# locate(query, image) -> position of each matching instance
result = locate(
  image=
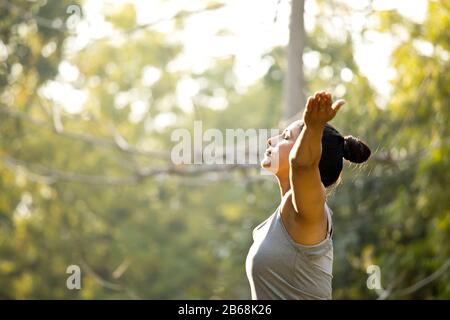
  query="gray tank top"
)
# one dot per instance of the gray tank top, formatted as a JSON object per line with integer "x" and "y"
{"x": 279, "y": 268}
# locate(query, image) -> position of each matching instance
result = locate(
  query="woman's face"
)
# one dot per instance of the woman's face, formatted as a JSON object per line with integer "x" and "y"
{"x": 276, "y": 157}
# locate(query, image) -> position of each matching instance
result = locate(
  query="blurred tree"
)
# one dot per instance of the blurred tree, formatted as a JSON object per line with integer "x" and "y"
{"x": 413, "y": 219}
{"x": 294, "y": 84}
{"x": 31, "y": 48}
{"x": 95, "y": 188}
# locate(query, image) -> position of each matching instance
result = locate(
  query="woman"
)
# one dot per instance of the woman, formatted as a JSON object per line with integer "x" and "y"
{"x": 292, "y": 253}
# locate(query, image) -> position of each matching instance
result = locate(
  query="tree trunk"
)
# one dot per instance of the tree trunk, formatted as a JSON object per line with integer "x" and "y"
{"x": 294, "y": 82}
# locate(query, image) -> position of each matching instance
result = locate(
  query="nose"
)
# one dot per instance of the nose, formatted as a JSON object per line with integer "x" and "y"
{"x": 269, "y": 142}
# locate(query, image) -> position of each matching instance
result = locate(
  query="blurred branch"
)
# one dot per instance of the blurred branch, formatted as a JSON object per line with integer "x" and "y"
{"x": 383, "y": 294}
{"x": 47, "y": 175}
{"x": 50, "y": 24}
{"x": 39, "y": 173}
{"x": 275, "y": 18}
{"x": 105, "y": 283}
{"x": 422, "y": 283}
{"x": 181, "y": 14}
{"x": 103, "y": 142}
{"x": 119, "y": 140}
{"x": 120, "y": 270}
{"x": 206, "y": 181}
{"x": 126, "y": 33}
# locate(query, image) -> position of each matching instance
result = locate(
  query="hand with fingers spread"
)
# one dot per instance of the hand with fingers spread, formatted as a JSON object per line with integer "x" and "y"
{"x": 319, "y": 109}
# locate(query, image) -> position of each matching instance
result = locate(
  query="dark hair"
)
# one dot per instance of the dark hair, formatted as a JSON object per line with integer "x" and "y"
{"x": 335, "y": 147}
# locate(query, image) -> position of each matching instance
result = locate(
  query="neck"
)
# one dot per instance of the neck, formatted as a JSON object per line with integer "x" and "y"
{"x": 284, "y": 184}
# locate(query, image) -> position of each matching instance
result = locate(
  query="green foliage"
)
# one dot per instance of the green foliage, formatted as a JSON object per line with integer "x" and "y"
{"x": 80, "y": 195}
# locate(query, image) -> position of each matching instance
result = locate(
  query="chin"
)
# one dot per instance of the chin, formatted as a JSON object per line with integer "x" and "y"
{"x": 266, "y": 164}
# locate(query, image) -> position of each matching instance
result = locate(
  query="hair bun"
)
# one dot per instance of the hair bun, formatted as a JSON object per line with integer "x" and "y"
{"x": 355, "y": 150}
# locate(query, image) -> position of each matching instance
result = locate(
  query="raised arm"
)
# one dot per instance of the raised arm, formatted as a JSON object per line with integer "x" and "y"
{"x": 308, "y": 192}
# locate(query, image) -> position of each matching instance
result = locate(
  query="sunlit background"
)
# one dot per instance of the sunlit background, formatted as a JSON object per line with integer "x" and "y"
{"x": 91, "y": 91}
{"x": 246, "y": 33}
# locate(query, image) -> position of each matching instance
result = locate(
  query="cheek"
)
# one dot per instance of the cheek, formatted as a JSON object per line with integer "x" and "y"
{"x": 285, "y": 149}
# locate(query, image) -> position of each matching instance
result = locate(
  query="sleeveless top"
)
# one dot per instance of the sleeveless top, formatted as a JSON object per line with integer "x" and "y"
{"x": 279, "y": 268}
